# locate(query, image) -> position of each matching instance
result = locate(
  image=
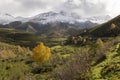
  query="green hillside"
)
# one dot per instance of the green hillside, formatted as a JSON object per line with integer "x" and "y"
{"x": 109, "y": 69}
{"x": 27, "y": 39}
{"x": 13, "y": 36}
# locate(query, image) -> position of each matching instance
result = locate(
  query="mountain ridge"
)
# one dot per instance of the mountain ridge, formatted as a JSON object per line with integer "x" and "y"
{"x": 108, "y": 29}
{"x": 49, "y": 17}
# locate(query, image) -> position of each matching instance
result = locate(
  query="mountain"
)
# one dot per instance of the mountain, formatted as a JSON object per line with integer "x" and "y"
{"x": 108, "y": 29}
{"x": 44, "y": 29}
{"x": 22, "y": 19}
{"x": 51, "y": 17}
{"x": 98, "y": 19}
{"x": 51, "y": 22}
{"x": 48, "y": 23}
{"x": 63, "y": 28}
{"x": 6, "y": 18}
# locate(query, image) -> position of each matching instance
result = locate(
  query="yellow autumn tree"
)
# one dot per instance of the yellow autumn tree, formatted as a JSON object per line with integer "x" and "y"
{"x": 113, "y": 26}
{"x": 41, "y": 53}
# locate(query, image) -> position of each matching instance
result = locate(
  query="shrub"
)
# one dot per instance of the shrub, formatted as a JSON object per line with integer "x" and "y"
{"x": 100, "y": 51}
{"x": 76, "y": 68}
{"x": 12, "y": 51}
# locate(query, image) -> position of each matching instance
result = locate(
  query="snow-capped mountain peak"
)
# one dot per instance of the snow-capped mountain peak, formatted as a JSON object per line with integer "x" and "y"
{"x": 6, "y": 18}
{"x": 99, "y": 19}
{"x": 53, "y": 17}
{"x": 67, "y": 17}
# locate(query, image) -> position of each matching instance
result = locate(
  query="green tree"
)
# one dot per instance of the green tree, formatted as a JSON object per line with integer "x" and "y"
{"x": 99, "y": 51}
{"x": 99, "y": 44}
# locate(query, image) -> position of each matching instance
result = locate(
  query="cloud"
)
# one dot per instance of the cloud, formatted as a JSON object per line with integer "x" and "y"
{"x": 81, "y": 7}
{"x": 91, "y": 8}
{"x": 32, "y": 4}
{"x": 38, "y": 6}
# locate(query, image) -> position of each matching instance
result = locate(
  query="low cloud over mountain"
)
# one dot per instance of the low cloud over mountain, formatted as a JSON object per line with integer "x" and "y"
{"x": 82, "y": 7}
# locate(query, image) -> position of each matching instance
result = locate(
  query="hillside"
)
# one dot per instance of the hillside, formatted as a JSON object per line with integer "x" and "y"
{"x": 48, "y": 28}
{"x": 13, "y": 36}
{"x": 108, "y": 69}
{"x": 108, "y": 29}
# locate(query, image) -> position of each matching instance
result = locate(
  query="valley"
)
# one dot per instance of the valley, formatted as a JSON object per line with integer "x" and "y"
{"x": 59, "y": 46}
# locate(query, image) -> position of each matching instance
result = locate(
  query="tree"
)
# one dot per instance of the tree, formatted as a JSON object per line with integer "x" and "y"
{"x": 113, "y": 26}
{"x": 99, "y": 44}
{"x": 41, "y": 53}
{"x": 115, "y": 30}
{"x": 99, "y": 51}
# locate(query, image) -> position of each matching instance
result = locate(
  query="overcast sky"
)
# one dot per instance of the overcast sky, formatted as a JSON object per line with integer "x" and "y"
{"x": 28, "y": 8}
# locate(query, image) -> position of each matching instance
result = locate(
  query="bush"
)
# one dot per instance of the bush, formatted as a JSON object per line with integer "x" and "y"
{"x": 76, "y": 68}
